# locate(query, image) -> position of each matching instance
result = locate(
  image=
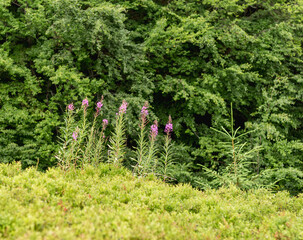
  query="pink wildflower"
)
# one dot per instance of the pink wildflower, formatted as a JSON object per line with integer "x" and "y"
{"x": 144, "y": 111}
{"x": 169, "y": 126}
{"x": 71, "y": 107}
{"x": 85, "y": 103}
{"x": 75, "y": 136}
{"x": 154, "y": 129}
{"x": 105, "y": 122}
{"x": 123, "y": 107}
{"x": 99, "y": 105}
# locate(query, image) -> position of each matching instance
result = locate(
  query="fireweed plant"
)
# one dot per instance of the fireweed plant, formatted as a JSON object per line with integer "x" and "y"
{"x": 152, "y": 160}
{"x": 167, "y": 156}
{"x": 79, "y": 144}
{"x": 99, "y": 147}
{"x": 117, "y": 142}
{"x": 68, "y": 139}
{"x": 85, "y": 143}
{"x": 142, "y": 145}
{"x": 79, "y": 155}
{"x": 89, "y": 154}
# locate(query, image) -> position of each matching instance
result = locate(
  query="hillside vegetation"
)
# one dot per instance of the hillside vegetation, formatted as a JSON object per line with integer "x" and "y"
{"x": 108, "y": 202}
{"x": 190, "y": 59}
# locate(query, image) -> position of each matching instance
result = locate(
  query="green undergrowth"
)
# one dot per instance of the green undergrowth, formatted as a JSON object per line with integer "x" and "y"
{"x": 106, "y": 202}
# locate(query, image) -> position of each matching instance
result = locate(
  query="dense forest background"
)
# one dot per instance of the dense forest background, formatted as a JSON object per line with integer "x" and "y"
{"x": 191, "y": 59}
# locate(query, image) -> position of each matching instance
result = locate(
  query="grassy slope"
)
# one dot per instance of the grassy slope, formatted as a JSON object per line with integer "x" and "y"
{"x": 110, "y": 203}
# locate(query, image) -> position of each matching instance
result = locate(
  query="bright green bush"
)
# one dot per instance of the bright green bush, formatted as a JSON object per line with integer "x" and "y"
{"x": 106, "y": 202}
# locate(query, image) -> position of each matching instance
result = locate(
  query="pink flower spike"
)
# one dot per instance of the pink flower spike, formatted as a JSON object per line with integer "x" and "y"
{"x": 75, "y": 136}
{"x": 154, "y": 129}
{"x": 169, "y": 126}
{"x": 105, "y": 122}
{"x": 123, "y": 107}
{"x": 144, "y": 111}
{"x": 99, "y": 105}
{"x": 85, "y": 102}
{"x": 71, "y": 107}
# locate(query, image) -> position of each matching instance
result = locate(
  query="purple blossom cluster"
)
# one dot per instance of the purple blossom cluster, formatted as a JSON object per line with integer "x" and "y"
{"x": 85, "y": 103}
{"x": 71, "y": 107}
{"x": 154, "y": 129}
{"x": 122, "y": 108}
{"x": 169, "y": 126}
{"x": 99, "y": 105}
{"x": 75, "y": 136}
{"x": 144, "y": 111}
{"x": 105, "y": 122}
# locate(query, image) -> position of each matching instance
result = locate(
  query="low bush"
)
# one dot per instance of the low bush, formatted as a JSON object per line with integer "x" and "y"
{"x": 107, "y": 202}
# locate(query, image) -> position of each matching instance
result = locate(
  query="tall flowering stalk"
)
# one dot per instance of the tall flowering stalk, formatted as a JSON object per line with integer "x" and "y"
{"x": 100, "y": 144}
{"x": 72, "y": 157}
{"x": 91, "y": 138}
{"x": 65, "y": 153}
{"x": 117, "y": 142}
{"x": 167, "y": 156}
{"x": 152, "y": 149}
{"x": 82, "y": 143}
{"x": 82, "y": 134}
{"x": 142, "y": 146}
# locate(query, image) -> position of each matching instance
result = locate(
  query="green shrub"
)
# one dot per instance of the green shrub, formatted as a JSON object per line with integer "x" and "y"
{"x": 106, "y": 202}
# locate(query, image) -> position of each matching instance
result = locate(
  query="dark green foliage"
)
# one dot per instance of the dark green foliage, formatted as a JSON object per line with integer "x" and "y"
{"x": 188, "y": 58}
{"x": 54, "y": 53}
